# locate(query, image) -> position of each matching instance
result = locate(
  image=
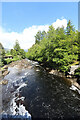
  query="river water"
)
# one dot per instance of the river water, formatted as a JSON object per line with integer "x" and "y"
{"x": 39, "y": 95}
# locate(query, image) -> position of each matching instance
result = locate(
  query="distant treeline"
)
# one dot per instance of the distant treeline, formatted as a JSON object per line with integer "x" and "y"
{"x": 17, "y": 54}
{"x": 57, "y": 48}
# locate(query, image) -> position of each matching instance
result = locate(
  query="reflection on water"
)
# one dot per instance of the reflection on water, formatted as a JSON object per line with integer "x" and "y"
{"x": 46, "y": 96}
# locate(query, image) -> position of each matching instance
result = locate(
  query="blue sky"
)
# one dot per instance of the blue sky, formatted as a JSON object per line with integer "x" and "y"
{"x": 22, "y": 20}
{"x": 18, "y": 15}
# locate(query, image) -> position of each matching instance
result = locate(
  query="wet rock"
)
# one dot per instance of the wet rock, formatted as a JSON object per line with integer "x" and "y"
{"x": 0, "y": 73}
{"x": 78, "y": 81}
{"x": 69, "y": 76}
{"x": 5, "y": 73}
{"x": 76, "y": 84}
{"x": 0, "y": 82}
{"x": 21, "y": 64}
{"x": 53, "y": 72}
{"x": 73, "y": 68}
{"x": 29, "y": 67}
{"x": 37, "y": 70}
{"x": 5, "y": 67}
{"x": 4, "y": 82}
{"x": 47, "y": 68}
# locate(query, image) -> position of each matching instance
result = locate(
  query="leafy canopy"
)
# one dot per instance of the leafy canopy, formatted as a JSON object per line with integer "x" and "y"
{"x": 57, "y": 48}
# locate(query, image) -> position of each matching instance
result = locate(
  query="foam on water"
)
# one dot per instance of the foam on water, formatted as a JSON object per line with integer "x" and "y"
{"x": 23, "y": 85}
{"x": 15, "y": 83}
{"x": 19, "y": 109}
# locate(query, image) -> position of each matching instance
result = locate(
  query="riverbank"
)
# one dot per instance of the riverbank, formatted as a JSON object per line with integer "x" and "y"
{"x": 3, "y": 72}
{"x": 22, "y": 64}
{"x": 70, "y": 78}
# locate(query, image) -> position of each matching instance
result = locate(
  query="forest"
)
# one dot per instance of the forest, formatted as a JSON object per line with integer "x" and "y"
{"x": 57, "y": 49}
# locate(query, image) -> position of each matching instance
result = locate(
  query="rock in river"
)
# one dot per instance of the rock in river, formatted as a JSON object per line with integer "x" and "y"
{"x": 4, "y": 82}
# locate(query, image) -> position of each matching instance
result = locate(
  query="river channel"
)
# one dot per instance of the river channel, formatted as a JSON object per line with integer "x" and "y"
{"x": 40, "y": 94}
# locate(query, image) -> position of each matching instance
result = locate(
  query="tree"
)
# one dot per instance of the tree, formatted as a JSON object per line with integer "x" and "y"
{"x": 51, "y": 34}
{"x": 2, "y": 54}
{"x": 13, "y": 52}
{"x": 79, "y": 46}
{"x": 56, "y": 49}
{"x": 60, "y": 32}
{"x": 17, "y": 52}
{"x": 39, "y": 36}
{"x": 22, "y": 53}
{"x": 17, "y": 47}
{"x": 69, "y": 28}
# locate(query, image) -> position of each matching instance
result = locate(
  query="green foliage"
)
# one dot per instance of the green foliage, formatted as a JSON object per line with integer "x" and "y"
{"x": 56, "y": 49}
{"x": 79, "y": 46}
{"x": 77, "y": 72}
{"x": 17, "y": 52}
{"x": 22, "y": 54}
{"x": 8, "y": 60}
{"x": 15, "y": 58}
{"x": 17, "y": 47}
{"x": 39, "y": 36}
{"x": 69, "y": 28}
{"x": 8, "y": 52}
{"x": 2, "y": 54}
{"x": 13, "y": 52}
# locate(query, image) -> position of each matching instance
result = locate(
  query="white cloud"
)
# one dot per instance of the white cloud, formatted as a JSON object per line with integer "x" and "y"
{"x": 60, "y": 23}
{"x": 26, "y": 38}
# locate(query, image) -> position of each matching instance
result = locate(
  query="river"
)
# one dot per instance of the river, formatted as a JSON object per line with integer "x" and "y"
{"x": 34, "y": 93}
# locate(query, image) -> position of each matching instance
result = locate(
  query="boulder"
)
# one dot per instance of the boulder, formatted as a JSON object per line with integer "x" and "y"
{"x": 76, "y": 84}
{"x": 4, "y": 82}
{"x": 5, "y": 67}
{"x": 5, "y": 73}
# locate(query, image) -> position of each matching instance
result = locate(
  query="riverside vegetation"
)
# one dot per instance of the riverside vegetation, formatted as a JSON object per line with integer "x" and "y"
{"x": 6, "y": 57}
{"x": 57, "y": 49}
{"x": 17, "y": 54}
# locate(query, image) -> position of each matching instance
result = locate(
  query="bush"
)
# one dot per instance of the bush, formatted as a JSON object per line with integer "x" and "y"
{"x": 8, "y": 60}
{"x": 77, "y": 72}
{"x": 16, "y": 58}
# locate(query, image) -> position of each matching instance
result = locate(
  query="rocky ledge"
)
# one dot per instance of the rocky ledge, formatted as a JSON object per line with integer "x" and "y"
{"x": 3, "y": 71}
{"x": 69, "y": 78}
{"x": 21, "y": 64}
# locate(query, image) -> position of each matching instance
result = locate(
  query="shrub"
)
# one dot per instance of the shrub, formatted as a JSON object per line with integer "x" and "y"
{"x": 77, "y": 72}
{"x": 8, "y": 60}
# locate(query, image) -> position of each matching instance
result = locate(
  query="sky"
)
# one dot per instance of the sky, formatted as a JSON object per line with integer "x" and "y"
{"x": 22, "y": 20}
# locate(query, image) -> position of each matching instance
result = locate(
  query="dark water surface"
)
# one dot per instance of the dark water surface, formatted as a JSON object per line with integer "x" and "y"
{"x": 46, "y": 96}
